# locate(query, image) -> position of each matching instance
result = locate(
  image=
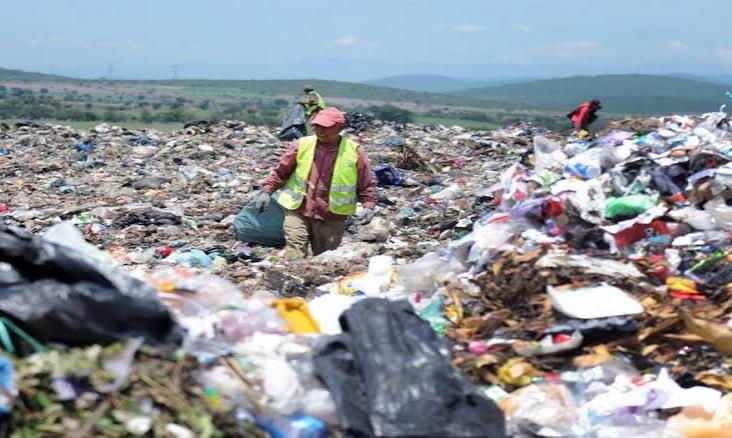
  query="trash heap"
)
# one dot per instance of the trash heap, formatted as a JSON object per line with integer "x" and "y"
{"x": 131, "y": 308}
{"x": 594, "y": 300}
{"x": 518, "y": 282}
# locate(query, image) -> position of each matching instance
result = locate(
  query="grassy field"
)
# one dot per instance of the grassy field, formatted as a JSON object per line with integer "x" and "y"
{"x": 169, "y": 104}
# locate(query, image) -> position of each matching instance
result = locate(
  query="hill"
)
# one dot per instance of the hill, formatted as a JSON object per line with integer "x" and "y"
{"x": 639, "y": 94}
{"x": 24, "y": 76}
{"x": 440, "y": 84}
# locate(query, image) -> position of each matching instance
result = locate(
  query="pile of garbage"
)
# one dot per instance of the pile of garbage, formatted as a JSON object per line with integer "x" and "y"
{"x": 516, "y": 282}
{"x": 130, "y": 286}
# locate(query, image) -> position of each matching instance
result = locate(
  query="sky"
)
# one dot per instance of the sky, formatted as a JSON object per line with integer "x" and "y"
{"x": 365, "y": 39}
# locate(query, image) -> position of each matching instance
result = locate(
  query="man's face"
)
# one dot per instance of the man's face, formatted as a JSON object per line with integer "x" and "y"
{"x": 328, "y": 135}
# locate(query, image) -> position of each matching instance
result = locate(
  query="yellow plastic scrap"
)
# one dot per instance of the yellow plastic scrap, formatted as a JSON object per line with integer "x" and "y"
{"x": 516, "y": 372}
{"x": 345, "y": 284}
{"x": 682, "y": 285}
{"x": 297, "y": 315}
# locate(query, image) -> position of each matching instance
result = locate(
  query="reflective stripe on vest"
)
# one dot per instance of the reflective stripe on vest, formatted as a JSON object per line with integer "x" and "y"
{"x": 342, "y": 196}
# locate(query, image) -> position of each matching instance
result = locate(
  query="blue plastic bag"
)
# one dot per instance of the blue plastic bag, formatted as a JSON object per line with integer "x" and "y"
{"x": 387, "y": 176}
{"x": 262, "y": 228}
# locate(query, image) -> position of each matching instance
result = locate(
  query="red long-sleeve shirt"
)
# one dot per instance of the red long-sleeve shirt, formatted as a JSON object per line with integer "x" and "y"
{"x": 315, "y": 204}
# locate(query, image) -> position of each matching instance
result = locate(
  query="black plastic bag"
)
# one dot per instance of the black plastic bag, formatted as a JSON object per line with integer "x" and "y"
{"x": 58, "y": 294}
{"x": 294, "y": 126}
{"x": 390, "y": 375}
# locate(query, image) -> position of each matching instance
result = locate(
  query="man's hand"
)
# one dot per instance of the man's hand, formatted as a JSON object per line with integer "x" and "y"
{"x": 261, "y": 202}
{"x": 365, "y": 216}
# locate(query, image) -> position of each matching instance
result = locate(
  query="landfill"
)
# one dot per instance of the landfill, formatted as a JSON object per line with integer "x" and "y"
{"x": 518, "y": 282}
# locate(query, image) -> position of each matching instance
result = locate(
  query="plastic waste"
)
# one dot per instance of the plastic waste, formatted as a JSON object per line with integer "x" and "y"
{"x": 326, "y": 309}
{"x": 549, "y": 344}
{"x": 453, "y": 191}
{"x": 376, "y": 395}
{"x": 378, "y": 277}
{"x": 632, "y": 205}
{"x": 297, "y": 315}
{"x": 582, "y": 302}
{"x": 428, "y": 272}
{"x": 697, "y": 422}
{"x": 548, "y": 155}
{"x": 387, "y": 176}
{"x": 544, "y": 410}
{"x": 699, "y": 219}
{"x": 8, "y": 386}
{"x": 59, "y": 294}
{"x": 294, "y": 426}
{"x": 721, "y": 212}
{"x": 262, "y": 228}
{"x": 194, "y": 258}
{"x": 66, "y": 234}
{"x": 294, "y": 125}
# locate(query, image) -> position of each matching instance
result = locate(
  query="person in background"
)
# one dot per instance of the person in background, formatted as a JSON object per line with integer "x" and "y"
{"x": 584, "y": 115}
{"x": 312, "y": 102}
{"x": 318, "y": 182}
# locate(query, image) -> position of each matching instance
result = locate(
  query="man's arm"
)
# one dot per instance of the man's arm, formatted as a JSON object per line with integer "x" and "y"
{"x": 279, "y": 175}
{"x": 366, "y": 188}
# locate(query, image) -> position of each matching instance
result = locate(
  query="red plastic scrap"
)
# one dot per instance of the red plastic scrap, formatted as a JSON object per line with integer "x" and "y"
{"x": 639, "y": 232}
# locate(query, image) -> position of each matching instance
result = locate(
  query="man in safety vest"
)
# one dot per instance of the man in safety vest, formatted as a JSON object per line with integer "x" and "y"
{"x": 318, "y": 182}
{"x": 312, "y": 102}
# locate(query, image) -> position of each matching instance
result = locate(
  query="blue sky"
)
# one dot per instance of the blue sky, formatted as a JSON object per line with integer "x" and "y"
{"x": 366, "y": 39}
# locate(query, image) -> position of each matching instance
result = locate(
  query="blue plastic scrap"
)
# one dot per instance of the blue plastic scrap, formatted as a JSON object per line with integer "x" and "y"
{"x": 395, "y": 142}
{"x": 84, "y": 147}
{"x": 8, "y": 389}
{"x": 387, "y": 176}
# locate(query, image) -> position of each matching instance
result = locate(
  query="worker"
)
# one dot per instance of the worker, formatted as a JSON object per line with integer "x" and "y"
{"x": 584, "y": 115}
{"x": 312, "y": 102}
{"x": 318, "y": 182}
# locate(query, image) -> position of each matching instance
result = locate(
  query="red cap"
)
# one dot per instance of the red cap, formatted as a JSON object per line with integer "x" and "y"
{"x": 329, "y": 117}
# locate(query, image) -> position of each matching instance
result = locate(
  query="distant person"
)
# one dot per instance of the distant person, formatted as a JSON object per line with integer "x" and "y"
{"x": 318, "y": 182}
{"x": 584, "y": 115}
{"x": 312, "y": 102}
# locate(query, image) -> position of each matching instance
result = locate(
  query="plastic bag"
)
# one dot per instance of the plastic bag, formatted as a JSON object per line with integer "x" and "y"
{"x": 548, "y": 155}
{"x": 59, "y": 294}
{"x": 544, "y": 410}
{"x": 376, "y": 395}
{"x": 721, "y": 212}
{"x": 632, "y": 205}
{"x": 294, "y": 126}
{"x": 263, "y": 228}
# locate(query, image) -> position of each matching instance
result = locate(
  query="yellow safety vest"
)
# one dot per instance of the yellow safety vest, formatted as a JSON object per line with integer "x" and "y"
{"x": 310, "y": 108}
{"x": 342, "y": 196}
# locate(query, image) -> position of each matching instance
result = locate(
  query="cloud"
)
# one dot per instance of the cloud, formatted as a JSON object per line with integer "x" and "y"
{"x": 724, "y": 55}
{"x": 678, "y": 45}
{"x": 468, "y": 28}
{"x": 520, "y": 28}
{"x": 345, "y": 41}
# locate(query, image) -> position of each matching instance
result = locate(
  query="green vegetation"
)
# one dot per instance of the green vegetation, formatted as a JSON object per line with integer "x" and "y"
{"x": 635, "y": 94}
{"x": 45, "y": 97}
{"x": 391, "y": 113}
